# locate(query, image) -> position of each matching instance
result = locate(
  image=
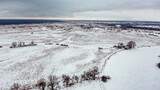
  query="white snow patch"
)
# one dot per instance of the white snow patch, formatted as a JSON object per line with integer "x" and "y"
{"x": 134, "y": 70}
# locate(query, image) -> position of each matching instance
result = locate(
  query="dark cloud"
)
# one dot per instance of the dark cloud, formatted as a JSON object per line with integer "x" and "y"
{"x": 66, "y": 8}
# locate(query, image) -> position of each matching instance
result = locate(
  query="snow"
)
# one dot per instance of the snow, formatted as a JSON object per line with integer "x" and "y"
{"x": 26, "y": 65}
{"x": 45, "y": 29}
{"x": 129, "y": 70}
{"x": 134, "y": 70}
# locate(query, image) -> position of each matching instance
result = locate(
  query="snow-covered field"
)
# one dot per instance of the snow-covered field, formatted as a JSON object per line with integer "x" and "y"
{"x": 129, "y": 70}
{"x": 134, "y": 70}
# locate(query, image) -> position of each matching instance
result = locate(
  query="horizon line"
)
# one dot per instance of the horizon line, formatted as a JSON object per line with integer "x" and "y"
{"x": 71, "y": 19}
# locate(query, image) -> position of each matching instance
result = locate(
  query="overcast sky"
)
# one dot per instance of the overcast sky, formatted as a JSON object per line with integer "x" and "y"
{"x": 82, "y": 9}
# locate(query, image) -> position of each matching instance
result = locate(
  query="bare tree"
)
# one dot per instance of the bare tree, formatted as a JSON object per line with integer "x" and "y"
{"x": 32, "y": 43}
{"x": 20, "y": 44}
{"x": 41, "y": 84}
{"x": 94, "y": 73}
{"x": 15, "y": 86}
{"x": 23, "y": 44}
{"x": 53, "y": 81}
{"x": 120, "y": 45}
{"x": 14, "y": 44}
{"x": 131, "y": 44}
{"x": 91, "y": 74}
{"x": 76, "y": 79}
{"x": 66, "y": 80}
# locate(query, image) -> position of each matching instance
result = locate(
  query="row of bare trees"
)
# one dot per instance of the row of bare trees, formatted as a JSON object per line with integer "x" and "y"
{"x": 17, "y": 86}
{"x": 57, "y": 83}
{"x": 130, "y": 45}
{"x": 22, "y": 44}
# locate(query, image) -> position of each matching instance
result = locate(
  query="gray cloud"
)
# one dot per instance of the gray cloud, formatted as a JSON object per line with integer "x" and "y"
{"x": 66, "y": 8}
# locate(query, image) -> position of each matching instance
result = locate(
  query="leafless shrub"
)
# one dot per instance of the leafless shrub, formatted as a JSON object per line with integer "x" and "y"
{"x": 120, "y": 45}
{"x": 131, "y": 44}
{"x": 15, "y": 86}
{"x": 90, "y": 75}
{"x": 76, "y": 79}
{"x": 14, "y": 44}
{"x": 41, "y": 84}
{"x": 66, "y": 80}
{"x": 73, "y": 80}
{"x": 32, "y": 42}
{"x": 105, "y": 78}
{"x": 20, "y": 44}
{"x": 53, "y": 82}
{"x": 94, "y": 73}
